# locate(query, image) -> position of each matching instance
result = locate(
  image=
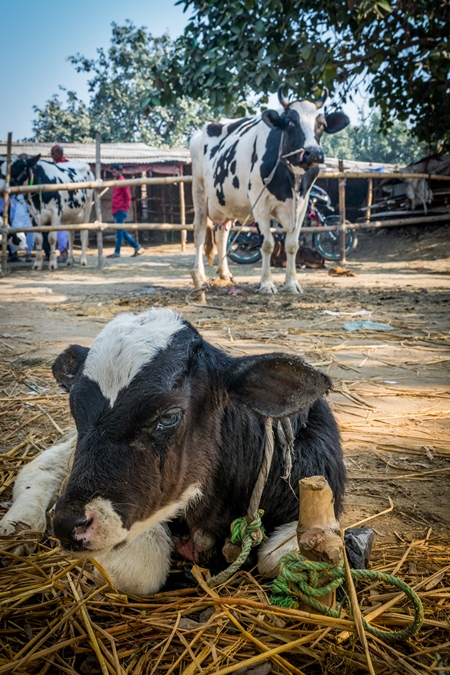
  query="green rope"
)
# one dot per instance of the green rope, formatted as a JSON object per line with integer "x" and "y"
{"x": 309, "y": 580}
{"x": 248, "y": 535}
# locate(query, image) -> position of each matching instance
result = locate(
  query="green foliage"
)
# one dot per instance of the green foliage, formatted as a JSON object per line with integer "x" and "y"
{"x": 398, "y": 52}
{"x": 117, "y": 85}
{"x": 62, "y": 124}
{"x": 365, "y": 143}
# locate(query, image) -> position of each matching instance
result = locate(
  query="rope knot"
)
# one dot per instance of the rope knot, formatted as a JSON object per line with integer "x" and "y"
{"x": 241, "y": 528}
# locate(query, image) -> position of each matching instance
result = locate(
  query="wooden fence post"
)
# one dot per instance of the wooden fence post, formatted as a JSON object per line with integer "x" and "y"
{"x": 182, "y": 213}
{"x": 342, "y": 226}
{"x": 6, "y": 205}
{"x": 97, "y": 200}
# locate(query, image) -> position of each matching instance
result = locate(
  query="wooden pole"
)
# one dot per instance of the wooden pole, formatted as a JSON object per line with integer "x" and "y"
{"x": 98, "y": 203}
{"x": 342, "y": 228}
{"x": 6, "y": 206}
{"x": 182, "y": 213}
{"x": 369, "y": 198}
{"x": 318, "y": 531}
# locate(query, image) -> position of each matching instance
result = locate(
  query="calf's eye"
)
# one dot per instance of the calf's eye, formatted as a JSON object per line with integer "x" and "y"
{"x": 170, "y": 419}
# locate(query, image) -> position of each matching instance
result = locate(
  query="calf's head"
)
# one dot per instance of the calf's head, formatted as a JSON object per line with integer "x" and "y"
{"x": 148, "y": 400}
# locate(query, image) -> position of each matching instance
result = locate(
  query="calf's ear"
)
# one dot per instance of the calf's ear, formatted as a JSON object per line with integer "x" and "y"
{"x": 275, "y": 385}
{"x": 68, "y": 365}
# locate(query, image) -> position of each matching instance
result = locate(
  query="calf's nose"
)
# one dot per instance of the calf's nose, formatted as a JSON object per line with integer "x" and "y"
{"x": 69, "y": 529}
{"x": 313, "y": 156}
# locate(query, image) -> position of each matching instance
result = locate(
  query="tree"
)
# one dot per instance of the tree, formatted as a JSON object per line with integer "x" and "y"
{"x": 396, "y": 50}
{"x": 365, "y": 143}
{"x": 118, "y": 80}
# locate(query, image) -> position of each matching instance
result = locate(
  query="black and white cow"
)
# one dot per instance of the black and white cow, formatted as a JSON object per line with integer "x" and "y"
{"x": 169, "y": 426}
{"x": 264, "y": 166}
{"x": 54, "y": 208}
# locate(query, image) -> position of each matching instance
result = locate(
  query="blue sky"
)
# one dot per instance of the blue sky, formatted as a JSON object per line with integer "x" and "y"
{"x": 41, "y": 35}
{"x": 34, "y": 50}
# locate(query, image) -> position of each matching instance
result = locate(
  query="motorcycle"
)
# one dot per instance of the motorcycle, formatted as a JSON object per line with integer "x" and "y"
{"x": 245, "y": 247}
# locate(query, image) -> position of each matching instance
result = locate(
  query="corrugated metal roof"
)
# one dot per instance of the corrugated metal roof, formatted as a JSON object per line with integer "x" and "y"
{"x": 125, "y": 153}
{"x": 141, "y": 153}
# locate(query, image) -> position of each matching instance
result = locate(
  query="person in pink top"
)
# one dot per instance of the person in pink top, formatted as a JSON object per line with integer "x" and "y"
{"x": 120, "y": 205}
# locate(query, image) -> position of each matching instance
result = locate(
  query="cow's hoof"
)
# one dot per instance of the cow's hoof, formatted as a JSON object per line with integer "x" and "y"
{"x": 83, "y": 263}
{"x": 70, "y": 262}
{"x": 292, "y": 288}
{"x": 53, "y": 266}
{"x": 37, "y": 266}
{"x": 268, "y": 289}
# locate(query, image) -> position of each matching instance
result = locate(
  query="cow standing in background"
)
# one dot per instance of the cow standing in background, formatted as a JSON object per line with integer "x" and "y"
{"x": 169, "y": 426}
{"x": 56, "y": 207}
{"x": 255, "y": 169}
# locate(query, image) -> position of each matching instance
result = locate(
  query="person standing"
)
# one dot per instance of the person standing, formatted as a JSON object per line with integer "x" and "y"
{"x": 20, "y": 217}
{"x": 120, "y": 205}
{"x": 62, "y": 236}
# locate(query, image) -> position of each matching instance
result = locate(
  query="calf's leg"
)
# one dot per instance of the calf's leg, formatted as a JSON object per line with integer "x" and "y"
{"x": 37, "y": 486}
{"x": 141, "y": 566}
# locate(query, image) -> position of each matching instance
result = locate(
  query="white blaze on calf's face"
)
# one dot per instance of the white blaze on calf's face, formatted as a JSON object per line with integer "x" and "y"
{"x": 126, "y": 345}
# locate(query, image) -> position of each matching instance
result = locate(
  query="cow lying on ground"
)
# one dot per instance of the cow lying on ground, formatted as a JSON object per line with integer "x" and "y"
{"x": 169, "y": 426}
{"x": 255, "y": 169}
{"x": 54, "y": 208}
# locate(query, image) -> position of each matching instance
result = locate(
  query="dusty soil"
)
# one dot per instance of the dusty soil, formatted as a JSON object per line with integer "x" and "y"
{"x": 391, "y": 389}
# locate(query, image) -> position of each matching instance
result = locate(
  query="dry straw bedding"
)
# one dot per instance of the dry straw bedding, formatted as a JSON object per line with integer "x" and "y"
{"x": 55, "y": 619}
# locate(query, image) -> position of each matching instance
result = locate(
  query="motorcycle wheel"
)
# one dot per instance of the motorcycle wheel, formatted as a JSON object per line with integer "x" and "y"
{"x": 245, "y": 249}
{"x": 328, "y": 243}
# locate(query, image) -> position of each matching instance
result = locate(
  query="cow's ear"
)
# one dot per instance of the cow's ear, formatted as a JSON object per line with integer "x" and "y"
{"x": 271, "y": 118}
{"x": 68, "y": 365}
{"x": 275, "y": 385}
{"x": 32, "y": 161}
{"x": 336, "y": 122}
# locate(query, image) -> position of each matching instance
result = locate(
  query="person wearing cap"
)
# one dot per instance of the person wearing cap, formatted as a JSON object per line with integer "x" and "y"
{"x": 120, "y": 205}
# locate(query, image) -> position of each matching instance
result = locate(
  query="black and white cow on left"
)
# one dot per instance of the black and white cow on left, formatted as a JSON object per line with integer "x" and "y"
{"x": 56, "y": 207}
{"x": 169, "y": 426}
{"x": 263, "y": 167}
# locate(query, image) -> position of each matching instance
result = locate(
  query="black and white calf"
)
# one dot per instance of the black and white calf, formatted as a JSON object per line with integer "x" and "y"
{"x": 170, "y": 427}
{"x": 54, "y": 208}
{"x": 264, "y": 166}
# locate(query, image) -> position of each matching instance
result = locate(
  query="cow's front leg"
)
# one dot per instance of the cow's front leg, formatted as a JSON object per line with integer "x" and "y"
{"x": 140, "y": 567}
{"x": 267, "y": 286}
{"x": 222, "y": 243}
{"x": 199, "y": 239}
{"x": 36, "y": 488}
{"x": 39, "y": 238}
{"x": 84, "y": 235}
{"x": 53, "y": 264}
{"x": 291, "y": 284}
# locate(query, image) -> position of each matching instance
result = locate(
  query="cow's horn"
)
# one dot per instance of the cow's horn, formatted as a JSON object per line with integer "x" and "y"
{"x": 283, "y": 100}
{"x": 320, "y": 101}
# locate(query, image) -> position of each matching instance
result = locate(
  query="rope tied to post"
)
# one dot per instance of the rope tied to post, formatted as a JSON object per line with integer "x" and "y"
{"x": 303, "y": 580}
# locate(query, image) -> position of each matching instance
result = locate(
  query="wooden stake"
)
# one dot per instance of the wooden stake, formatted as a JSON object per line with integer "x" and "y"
{"x": 318, "y": 531}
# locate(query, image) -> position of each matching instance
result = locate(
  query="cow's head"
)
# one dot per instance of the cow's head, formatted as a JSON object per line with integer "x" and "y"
{"x": 303, "y": 124}
{"x": 21, "y": 170}
{"x": 148, "y": 401}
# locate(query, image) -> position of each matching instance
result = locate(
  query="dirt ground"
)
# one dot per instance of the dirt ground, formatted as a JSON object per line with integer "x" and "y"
{"x": 391, "y": 388}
